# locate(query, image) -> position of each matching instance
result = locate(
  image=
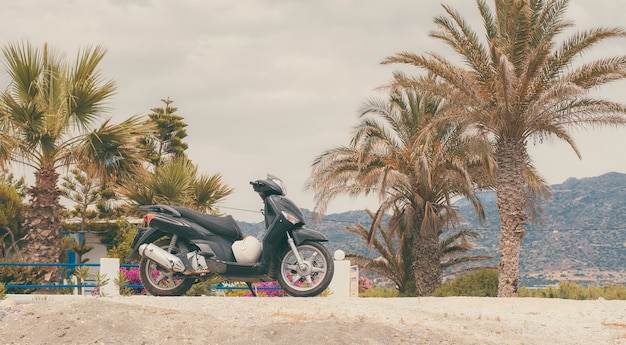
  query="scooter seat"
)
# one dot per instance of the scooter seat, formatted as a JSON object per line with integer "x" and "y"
{"x": 221, "y": 225}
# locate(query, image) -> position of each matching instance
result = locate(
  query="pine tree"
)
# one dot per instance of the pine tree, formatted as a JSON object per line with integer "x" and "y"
{"x": 166, "y": 141}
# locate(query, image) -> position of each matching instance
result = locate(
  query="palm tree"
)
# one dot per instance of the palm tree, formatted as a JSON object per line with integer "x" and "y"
{"x": 415, "y": 169}
{"x": 517, "y": 86}
{"x": 111, "y": 153}
{"x": 177, "y": 182}
{"x": 47, "y": 115}
{"x": 395, "y": 261}
{"x": 394, "y": 248}
{"x": 455, "y": 246}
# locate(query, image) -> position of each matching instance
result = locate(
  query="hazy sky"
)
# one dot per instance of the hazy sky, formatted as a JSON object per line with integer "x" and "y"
{"x": 267, "y": 85}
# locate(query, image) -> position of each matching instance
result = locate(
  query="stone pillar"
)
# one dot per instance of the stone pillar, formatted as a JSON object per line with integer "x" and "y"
{"x": 109, "y": 270}
{"x": 340, "y": 284}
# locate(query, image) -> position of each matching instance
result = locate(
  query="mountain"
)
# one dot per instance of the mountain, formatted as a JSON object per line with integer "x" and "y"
{"x": 581, "y": 236}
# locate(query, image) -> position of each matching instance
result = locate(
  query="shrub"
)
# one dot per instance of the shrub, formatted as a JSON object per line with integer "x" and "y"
{"x": 23, "y": 275}
{"x": 130, "y": 276}
{"x": 274, "y": 292}
{"x": 613, "y": 291}
{"x": 3, "y": 292}
{"x": 101, "y": 279}
{"x": 123, "y": 238}
{"x": 203, "y": 288}
{"x": 482, "y": 283}
{"x": 121, "y": 281}
{"x": 377, "y": 291}
{"x": 364, "y": 284}
{"x": 569, "y": 290}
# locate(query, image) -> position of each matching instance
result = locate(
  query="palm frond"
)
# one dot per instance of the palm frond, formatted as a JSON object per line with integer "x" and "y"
{"x": 209, "y": 190}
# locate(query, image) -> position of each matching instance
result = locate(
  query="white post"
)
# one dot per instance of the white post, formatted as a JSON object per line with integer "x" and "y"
{"x": 340, "y": 284}
{"x": 109, "y": 270}
{"x": 73, "y": 280}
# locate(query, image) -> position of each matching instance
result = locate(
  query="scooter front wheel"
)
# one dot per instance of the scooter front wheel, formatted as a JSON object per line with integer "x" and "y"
{"x": 159, "y": 281}
{"x": 312, "y": 276}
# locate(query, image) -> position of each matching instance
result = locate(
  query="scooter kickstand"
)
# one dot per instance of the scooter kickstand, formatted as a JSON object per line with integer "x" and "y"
{"x": 251, "y": 289}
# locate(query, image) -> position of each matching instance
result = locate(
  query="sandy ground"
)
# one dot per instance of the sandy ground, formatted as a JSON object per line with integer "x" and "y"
{"x": 331, "y": 320}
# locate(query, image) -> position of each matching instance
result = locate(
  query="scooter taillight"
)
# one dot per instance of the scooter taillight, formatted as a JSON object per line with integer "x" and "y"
{"x": 147, "y": 218}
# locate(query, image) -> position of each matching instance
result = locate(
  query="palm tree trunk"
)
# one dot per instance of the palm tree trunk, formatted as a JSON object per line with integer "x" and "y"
{"x": 407, "y": 286}
{"x": 427, "y": 265}
{"x": 43, "y": 242}
{"x": 511, "y": 156}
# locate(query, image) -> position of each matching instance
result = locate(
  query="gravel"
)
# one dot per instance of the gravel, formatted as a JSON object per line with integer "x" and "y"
{"x": 320, "y": 320}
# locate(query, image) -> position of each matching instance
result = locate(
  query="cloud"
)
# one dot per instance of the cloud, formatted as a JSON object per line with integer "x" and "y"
{"x": 266, "y": 85}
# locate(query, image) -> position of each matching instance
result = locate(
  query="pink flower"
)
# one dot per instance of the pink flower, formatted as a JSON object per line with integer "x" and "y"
{"x": 364, "y": 284}
{"x": 273, "y": 290}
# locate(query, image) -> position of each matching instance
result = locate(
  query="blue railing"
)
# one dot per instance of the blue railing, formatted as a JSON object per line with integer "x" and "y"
{"x": 46, "y": 264}
{"x": 59, "y": 286}
{"x": 88, "y": 285}
{"x": 260, "y": 288}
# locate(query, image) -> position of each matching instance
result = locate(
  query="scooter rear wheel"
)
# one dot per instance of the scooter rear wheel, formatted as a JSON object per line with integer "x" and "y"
{"x": 159, "y": 281}
{"x": 310, "y": 278}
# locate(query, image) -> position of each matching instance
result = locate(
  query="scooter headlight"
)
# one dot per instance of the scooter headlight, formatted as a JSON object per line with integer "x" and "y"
{"x": 291, "y": 218}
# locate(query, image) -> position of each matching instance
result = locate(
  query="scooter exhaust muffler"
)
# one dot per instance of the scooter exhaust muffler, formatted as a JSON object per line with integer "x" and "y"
{"x": 162, "y": 257}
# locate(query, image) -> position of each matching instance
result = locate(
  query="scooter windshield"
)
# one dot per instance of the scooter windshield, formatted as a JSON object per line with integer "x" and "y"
{"x": 279, "y": 183}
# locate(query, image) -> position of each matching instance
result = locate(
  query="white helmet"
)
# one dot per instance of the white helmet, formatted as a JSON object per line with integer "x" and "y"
{"x": 248, "y": 250}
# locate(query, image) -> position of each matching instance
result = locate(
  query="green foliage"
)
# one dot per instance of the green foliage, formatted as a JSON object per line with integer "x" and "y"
{"x": 26, "y": 275}
{"x": 12, "y": 216}
{"x": 482, "y": 283}
{"x": 54, "y": 113}
{"x": 3, "y": 292}
{"x": 107, "y": 232}
{"x": 20, "y": 185}
{"x": 613, "y": 291}
{"x": 121, "y": 281}
{"x": 83, "y": 190}
{"x": 70, "y": 243}
{"x": 101, "y": 279}
{"x": 123, "y": 239}
{"x": 167, "y": 139}
{"x": 394, "y": 251}
{"x": 203, "y": 288}
{"x": 417, "y": 166}
{"x": 82, "y": 273}
{"x": 499, "y": 87}
{"x": 394, "y": 261}
{"x": 177, "y": 182}
{"x": 81, "y": 248}
{"x": 569, "y": 290}
{"x": 107, "y": 207}
{"x": 376, "y": 291}
{"x": 236, "y": 293}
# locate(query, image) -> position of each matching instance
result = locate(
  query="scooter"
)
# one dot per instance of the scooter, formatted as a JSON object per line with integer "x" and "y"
{"x": 179, "y": 246}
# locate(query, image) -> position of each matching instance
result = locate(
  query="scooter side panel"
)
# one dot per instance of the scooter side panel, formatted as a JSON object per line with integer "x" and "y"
{"x": 208, "y": 243}
{"x": 221, "y": 248}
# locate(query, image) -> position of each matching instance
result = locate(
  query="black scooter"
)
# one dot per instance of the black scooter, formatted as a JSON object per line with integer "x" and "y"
{"x": 179, "y": 246}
